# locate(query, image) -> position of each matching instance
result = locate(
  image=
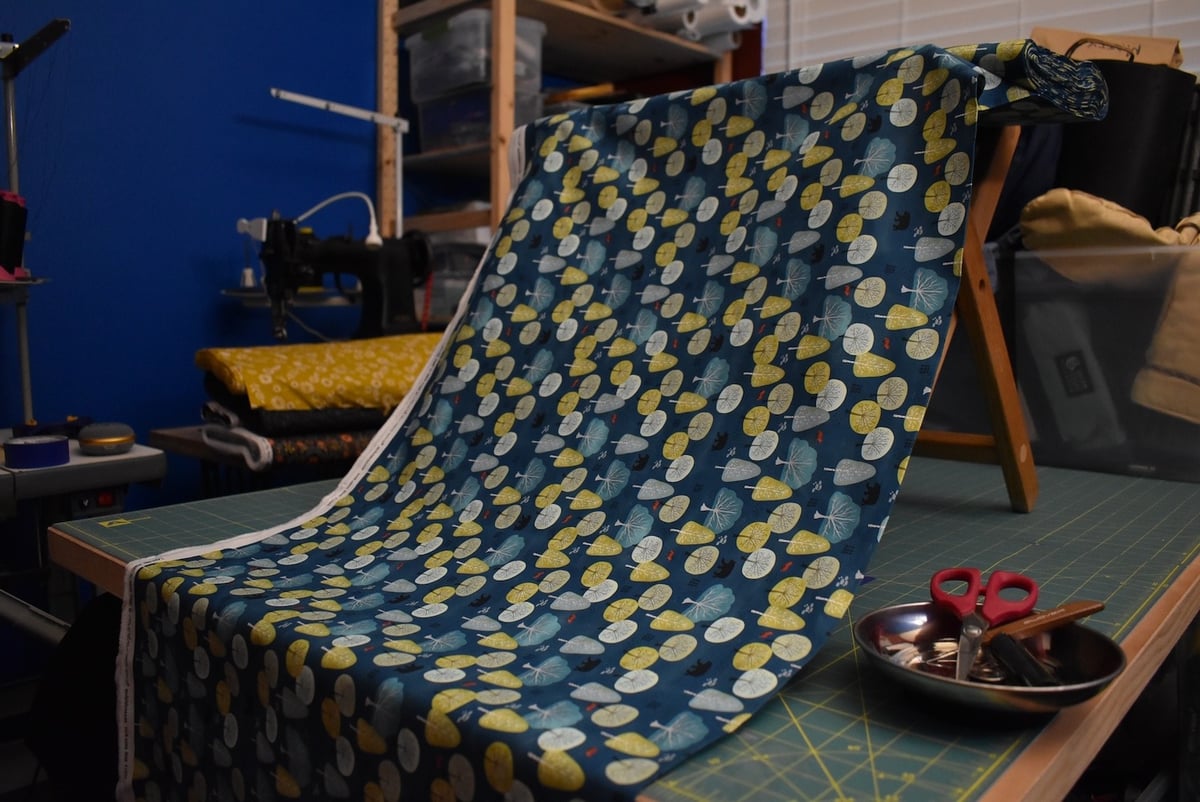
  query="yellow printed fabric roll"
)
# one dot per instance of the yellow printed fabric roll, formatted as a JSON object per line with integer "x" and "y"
{"x": 374, "y": 373}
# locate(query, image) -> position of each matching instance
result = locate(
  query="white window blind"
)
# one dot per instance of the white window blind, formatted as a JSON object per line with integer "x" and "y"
{"x": 802, "y": 32}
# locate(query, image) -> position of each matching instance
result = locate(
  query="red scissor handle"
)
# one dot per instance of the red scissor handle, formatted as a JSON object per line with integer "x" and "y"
{"x": 961, "y": 603}
{"x": 996, "y": 609}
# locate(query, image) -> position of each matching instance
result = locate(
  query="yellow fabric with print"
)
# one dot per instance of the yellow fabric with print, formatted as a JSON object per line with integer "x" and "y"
{"x": 374, "y": 373}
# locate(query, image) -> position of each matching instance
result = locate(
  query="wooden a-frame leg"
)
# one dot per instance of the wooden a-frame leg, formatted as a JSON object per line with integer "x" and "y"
{"x": 975, "y": 310}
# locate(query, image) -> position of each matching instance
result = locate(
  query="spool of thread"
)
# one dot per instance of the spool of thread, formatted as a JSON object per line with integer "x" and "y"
{"x": 37, "y": 451}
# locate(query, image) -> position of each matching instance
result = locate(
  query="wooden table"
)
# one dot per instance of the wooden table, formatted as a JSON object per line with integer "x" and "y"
{"x": 840, "y": 730}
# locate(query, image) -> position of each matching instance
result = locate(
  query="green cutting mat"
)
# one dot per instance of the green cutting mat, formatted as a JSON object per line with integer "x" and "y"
{"x": 833, "y": 734}
{"x": 144, "y": 533}
{"x": 839, "y": 731}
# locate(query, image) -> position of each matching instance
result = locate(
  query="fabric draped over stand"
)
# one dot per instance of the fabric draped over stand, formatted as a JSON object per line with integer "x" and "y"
{"x": 641, "y": 478}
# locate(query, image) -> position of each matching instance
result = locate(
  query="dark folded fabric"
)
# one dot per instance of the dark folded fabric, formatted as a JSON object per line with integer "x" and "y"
{"x": 274, "y": 423}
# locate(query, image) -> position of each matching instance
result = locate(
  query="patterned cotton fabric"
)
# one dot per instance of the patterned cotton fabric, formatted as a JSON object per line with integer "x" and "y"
{"x": 372, "y": 373}
{"x": 642, "y": 479}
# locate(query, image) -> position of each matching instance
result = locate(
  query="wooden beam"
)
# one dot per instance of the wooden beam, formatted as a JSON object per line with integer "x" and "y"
{"x": 387, "y": 101}
{"x": 975, "y": 310}
{"x": 504, "y": 87}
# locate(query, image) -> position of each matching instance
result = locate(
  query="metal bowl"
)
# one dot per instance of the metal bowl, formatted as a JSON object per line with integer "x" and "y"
{"x": 915, "y": 644}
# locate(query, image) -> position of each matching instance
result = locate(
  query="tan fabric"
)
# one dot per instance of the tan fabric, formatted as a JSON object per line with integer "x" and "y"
{"x": 1064, "y": 219}
{"x": 1170, "y": 380}
{"x": 374, "y": 373}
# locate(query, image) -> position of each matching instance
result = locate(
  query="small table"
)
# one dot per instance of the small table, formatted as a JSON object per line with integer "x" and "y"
{"x": 84, "y": 487}
{"x": 217, "y": 469}
{"x": 222, "y": 472}
{"x": 78, "y": 480}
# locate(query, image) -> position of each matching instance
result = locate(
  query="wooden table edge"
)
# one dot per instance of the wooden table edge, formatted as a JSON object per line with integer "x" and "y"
{"x": 1049, "y": 766}
{"x": 104, "y": 570}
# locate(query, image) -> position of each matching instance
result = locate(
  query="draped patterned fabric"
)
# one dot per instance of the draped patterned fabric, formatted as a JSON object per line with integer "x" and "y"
{"x": 641, "y": 479}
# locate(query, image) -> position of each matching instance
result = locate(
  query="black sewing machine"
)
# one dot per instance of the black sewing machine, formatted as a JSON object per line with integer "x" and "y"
{"x": 294, "y": 257}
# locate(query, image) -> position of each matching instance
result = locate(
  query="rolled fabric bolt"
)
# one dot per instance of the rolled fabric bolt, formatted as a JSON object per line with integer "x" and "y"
{"x": 723, "y": 42}
{"x": 714, "y": 19}
{"x": 678, "y": 6}
{"x": 668, "y": 14}
{"x": 667, "y": 23}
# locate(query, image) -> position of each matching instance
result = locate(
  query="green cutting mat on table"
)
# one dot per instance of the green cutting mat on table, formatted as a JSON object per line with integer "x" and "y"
{"x": 144, "y": 533}
{"x": 839, "y": 731}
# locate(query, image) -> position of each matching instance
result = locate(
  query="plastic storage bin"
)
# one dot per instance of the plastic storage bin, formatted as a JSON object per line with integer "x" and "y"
{"x": 451, "y": 271}
{"x": 457, "y": 53}
{"x": 1081, "y": 343}
{"x": 465, "y": 118}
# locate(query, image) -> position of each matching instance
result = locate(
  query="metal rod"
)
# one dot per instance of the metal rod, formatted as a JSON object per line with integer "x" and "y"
{"x": 10, "y": 114}
{"x": 340, "y": 108}
{"x": 24, "y": 361}
{"x": 14, "y": 183}
{"x": 32, "y": 619}
{"x": 399, "y": 124}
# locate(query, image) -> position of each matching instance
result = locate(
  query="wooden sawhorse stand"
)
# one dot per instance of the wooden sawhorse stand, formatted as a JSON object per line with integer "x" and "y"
{"x": 976, "y": 310}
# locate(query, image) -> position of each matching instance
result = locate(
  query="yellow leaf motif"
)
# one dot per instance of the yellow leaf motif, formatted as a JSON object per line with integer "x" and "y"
{"x": 338, "y": 658}
{"x": 503, "y": 720}
{"x": 498, "y": 766}
{"x": 558, "y": 770}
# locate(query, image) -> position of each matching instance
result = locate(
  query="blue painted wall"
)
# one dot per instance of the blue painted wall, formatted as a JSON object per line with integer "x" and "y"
{"x": 144, "y": 133}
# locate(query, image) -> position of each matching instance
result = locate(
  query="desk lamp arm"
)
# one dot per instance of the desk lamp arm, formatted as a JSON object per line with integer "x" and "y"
{"x": 397, "y": 124}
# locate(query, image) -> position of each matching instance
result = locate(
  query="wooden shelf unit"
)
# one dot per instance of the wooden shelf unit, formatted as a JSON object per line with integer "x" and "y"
{"x": 580, "y": 44}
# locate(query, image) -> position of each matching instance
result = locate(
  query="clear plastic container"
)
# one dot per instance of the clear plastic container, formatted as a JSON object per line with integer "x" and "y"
{"x": 465, "y": 118}
{"x": 456, "y": 54}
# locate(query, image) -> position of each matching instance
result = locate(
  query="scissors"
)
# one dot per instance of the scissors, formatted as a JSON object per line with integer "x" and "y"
{"x": 977, "y": 618}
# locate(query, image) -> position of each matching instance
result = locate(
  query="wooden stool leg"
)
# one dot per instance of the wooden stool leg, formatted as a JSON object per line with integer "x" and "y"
{"x": 975, "y": 310}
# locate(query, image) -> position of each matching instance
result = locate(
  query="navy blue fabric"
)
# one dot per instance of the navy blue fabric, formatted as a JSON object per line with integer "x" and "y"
{"x": 641, "y": 484}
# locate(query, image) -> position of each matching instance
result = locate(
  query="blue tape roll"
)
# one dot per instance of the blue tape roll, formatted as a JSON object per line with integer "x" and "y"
{"x": 38, "y": 451}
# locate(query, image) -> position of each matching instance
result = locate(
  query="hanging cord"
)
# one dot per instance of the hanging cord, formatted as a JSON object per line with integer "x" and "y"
{"x": 309, "y": 329}
{"x": 372, "y": 240}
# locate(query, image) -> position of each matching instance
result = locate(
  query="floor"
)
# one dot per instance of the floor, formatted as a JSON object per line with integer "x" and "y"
{"x": 20, "y": 778}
